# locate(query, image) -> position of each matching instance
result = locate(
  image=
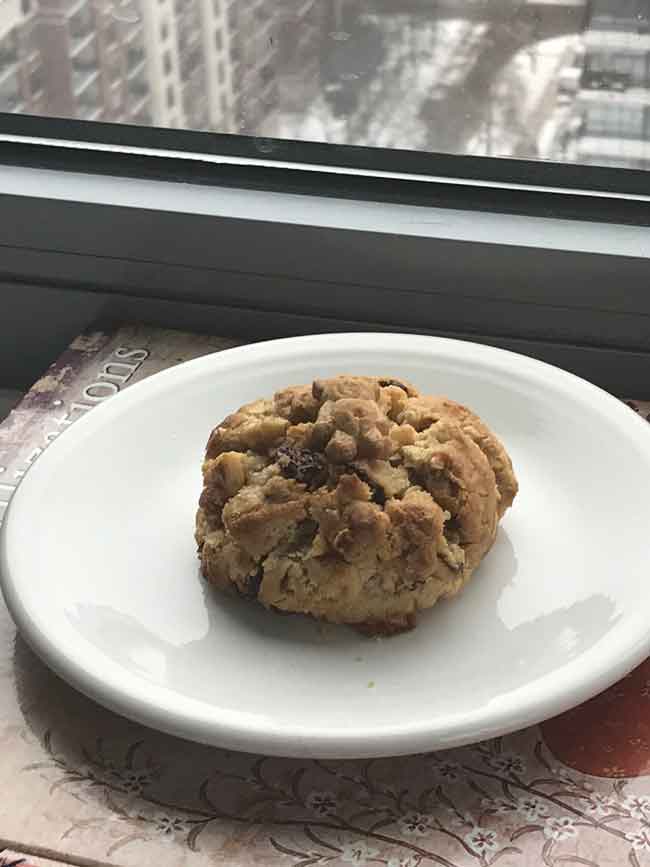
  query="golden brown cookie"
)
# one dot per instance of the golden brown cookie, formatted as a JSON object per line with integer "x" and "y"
{"x": 353, "y": 499}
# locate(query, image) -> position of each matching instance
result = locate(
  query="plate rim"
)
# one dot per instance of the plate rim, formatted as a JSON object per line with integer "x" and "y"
{"x": 326, "y": 742}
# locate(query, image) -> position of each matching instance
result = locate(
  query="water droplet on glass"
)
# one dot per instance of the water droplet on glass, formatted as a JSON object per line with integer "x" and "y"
{"x": 349, "y": 76}
{"x": 126, "y": 17}
{"x": 126, "y": 13}
{"x": 264, "y": 145}
{"x": 339, "y": 35}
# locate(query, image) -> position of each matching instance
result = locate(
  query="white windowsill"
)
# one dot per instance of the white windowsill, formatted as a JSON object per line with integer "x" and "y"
{"x": 330, "y": 212}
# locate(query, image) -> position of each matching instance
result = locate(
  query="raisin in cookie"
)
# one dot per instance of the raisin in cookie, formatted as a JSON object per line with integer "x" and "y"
{"x": 353, "y": 499}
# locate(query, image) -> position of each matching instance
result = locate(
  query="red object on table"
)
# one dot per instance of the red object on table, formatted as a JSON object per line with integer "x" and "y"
{"x": 608, "y": 736}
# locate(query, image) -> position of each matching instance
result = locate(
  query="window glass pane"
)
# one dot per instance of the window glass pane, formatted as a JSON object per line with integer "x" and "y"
{"x": 611, "y": 119}
{"x": 557, "y": 80}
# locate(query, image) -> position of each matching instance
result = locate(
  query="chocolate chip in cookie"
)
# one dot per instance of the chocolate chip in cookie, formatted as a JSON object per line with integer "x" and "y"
{"x": 377, "y": 493}
{"x": 386, "y": 382}
{"x": 252, "y": 584}
{"x": 303, "y": 465}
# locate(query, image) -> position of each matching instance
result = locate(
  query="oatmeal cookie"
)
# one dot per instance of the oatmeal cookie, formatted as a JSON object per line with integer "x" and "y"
{"x": 353, "y": 499}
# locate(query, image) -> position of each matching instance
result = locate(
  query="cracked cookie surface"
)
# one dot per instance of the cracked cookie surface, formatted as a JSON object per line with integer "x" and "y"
{"x": 353, "y": 499}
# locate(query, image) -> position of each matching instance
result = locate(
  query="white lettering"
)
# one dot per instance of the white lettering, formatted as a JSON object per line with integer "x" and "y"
{"x": 112, "y": 373}
{"x": 138, "y": 355}
{"x": 115, "y": 370}
{"x": 69, "y": 418}
{"x": 105, "y": 389}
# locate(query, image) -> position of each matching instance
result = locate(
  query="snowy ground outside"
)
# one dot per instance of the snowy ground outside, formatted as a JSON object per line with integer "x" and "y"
{"x": 442, "y": 85}
{"x": 522, "y": 99}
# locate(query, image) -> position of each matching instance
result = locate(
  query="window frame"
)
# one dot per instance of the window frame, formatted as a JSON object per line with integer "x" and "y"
{"x": 265, "y": 240}
{"x": 488, "y": 170}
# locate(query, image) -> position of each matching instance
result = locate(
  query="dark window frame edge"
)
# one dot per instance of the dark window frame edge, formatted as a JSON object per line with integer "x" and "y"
{"x": 438, "y": 192}
{"x": 623, "y": 372}
{"x": 454, "y": 166}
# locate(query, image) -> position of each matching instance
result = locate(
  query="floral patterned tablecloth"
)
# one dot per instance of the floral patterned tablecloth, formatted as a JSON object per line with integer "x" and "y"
{"x": 15, "y": 859}
{"x": 82, "y": 786}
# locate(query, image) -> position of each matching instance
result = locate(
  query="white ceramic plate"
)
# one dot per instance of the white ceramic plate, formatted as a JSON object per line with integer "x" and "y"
{"x": 100, "y": 572}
